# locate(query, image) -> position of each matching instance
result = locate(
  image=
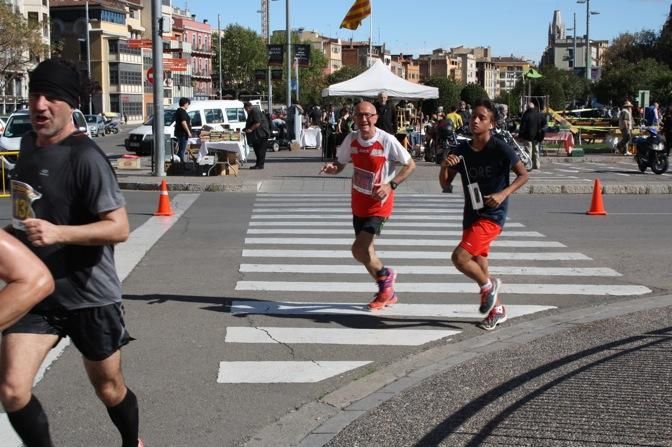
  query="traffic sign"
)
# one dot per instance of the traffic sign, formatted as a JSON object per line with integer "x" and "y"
{"x": 140, "y": 43}
{"x": 150, "y": 75}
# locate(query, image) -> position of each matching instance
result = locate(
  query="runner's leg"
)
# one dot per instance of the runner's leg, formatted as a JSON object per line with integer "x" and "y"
{"x": 364, "y": 252}
{"x": 122, "y": 405}
{"x": 21, "y": 355}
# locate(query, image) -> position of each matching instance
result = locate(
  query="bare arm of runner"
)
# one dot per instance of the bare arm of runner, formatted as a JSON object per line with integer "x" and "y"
{"x": 494, "y": 200}
{"x": 382, "y": 190}
{"x": 332, "y": 168}
{"x": 112, "y": 228}
{"x": 27, "y": 279}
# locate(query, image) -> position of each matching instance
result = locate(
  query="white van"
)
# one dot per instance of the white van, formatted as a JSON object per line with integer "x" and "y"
{"x": 217, "y": 114}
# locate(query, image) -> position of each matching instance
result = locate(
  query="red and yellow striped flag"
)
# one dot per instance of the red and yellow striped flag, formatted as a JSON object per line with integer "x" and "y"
{"x": 360, "y": 10}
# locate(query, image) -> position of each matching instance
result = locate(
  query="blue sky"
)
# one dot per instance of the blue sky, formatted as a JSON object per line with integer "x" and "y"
{"x": 517, "y": 27}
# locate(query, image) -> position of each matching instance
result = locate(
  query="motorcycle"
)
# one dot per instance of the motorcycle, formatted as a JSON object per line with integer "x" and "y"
{"x": 652, "y": 152}
{"x": 506, "y": 136}
{"x": 111, "y": 127}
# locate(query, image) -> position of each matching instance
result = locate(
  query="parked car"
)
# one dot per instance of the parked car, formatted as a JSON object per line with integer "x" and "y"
{"x": 96, "y": 125}
{"x": 18, "y": 124}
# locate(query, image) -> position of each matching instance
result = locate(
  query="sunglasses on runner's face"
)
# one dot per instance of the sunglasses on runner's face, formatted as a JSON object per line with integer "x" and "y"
{"x": 364, "y": 115}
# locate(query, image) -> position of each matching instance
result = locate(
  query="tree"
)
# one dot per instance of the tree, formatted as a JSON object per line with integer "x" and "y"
{"x": 629, "y": 47}
{"x": 312, "y": 79}
{"x": 449, "y": 95}
{"x": 243, "y": 52}
{"x": 622, "y": 81}
{"x": 345, "y": 73}
{"x": 471, "y": 92}
{"x": 20, "y": 45}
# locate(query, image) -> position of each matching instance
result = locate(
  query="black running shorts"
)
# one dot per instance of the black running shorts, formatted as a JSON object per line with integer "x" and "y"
{"x": 373, "y": 224}
{"x": 97, "y": 332}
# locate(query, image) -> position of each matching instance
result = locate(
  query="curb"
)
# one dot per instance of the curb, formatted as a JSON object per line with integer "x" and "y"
{"x": 254, "y": 186}
{"x": 316, "y": 423}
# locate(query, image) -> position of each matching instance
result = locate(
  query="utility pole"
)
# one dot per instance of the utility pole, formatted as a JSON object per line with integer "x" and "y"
{"x": 589, "y": 50}
{"x": 266, "y": 7}
{"x": 574, "y": 42}
{"x": 219, "y": 44}
{"x": 288, "y": 32}
{"x": 157, "y": 56}
{"x": 88, "y": 57}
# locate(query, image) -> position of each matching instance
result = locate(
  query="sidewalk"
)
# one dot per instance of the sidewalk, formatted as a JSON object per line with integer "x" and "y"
{"x": 595, "y": 375}
{"x": 287, "y": 171}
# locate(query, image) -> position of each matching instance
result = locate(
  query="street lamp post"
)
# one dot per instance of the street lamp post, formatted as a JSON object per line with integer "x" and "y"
{"x": 88, "y": 55}
{"x": 288, "y": 36}
{"x": 573, "y": 44}
{"x": 589, "y": 50}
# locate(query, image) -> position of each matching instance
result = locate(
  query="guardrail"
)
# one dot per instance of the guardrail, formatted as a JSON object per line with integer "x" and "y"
{"x": 3, "y": 172}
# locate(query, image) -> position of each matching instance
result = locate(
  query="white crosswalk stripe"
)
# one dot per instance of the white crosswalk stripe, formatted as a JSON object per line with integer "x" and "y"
{"x": 426, "y": 228}
{"x": 426, "y": 270}
{"x": 392, "y": 242}
{"x": 386, "y": 254}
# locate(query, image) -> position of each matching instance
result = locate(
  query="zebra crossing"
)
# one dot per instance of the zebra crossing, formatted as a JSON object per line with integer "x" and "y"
{"x": 298, "y": 245}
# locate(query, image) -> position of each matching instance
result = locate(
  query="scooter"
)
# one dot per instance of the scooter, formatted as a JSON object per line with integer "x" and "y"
{"x": 112, "y": 127}
{"x": 652, "y": 152}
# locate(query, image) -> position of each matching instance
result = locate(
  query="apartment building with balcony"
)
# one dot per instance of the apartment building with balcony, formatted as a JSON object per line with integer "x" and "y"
{"x": 440, "y": 64}
{"x": 410, "y": 68}
{"x": 511, "y": 70}
{"x": 116, "y": 78}
{"x": 192, "y": 40}
{"x": 488, "y": 77}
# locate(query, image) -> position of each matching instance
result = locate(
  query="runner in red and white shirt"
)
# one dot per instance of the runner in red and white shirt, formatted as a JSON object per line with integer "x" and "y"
{"x": 372, "y": 152}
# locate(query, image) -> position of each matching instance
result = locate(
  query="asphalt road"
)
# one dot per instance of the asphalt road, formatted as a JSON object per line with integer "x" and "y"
{"x": 183, "y": 300}
{"x": 186, "y": 296}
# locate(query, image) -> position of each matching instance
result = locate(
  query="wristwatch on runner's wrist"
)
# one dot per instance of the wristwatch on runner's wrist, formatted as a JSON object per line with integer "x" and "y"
{"x": 393, "y": 184}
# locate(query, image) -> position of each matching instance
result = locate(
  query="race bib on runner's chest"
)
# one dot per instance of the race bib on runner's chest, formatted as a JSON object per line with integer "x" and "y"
{"x": 23, "y": 196}
{"x": 363, "y": 181}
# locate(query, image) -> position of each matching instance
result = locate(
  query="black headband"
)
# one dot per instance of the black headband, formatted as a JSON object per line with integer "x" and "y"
{"x": 54, "y": 79}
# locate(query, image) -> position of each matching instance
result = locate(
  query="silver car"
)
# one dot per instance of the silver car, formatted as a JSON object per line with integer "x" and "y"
{"x": 96, "y": 125}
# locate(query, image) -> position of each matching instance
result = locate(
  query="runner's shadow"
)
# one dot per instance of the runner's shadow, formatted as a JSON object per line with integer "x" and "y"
{"x": 354, "y": 316}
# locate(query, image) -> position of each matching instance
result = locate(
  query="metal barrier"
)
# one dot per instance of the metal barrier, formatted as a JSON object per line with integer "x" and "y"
{"x": 3, "y": 172}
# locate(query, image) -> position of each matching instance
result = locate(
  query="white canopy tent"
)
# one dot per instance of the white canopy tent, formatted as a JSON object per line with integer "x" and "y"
{"x": 378, "y": 78}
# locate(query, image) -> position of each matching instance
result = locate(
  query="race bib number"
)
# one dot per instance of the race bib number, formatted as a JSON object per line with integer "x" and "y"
{"x": 23, "y": 196}
{"x": 363, "y": 180}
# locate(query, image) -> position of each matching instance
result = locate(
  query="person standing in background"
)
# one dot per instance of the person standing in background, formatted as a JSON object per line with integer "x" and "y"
{"x": 387, "y": 119}
{"x": 182, "y": 128}
{"x": 625, "y": 126}
{"x": 257, "y": 131}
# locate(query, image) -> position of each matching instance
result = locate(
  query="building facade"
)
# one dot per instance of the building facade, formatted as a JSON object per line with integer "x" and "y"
{"x": 511, "y": 70}
{"x": 569, "y": 52}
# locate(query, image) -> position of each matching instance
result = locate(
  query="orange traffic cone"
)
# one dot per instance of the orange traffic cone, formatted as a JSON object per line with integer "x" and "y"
{"x": 164, "y": 208}
{"x": 596, "y": 205}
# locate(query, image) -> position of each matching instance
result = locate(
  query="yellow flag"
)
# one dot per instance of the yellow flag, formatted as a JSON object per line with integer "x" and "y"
{"x": 360, "y": 10}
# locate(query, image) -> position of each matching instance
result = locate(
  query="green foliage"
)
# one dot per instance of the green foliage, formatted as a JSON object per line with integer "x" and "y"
{"x": 243, "y": 51}
{"x": 472, "y": 92}
{"x": 312, "y": 79}
{"x": 449, "y": 95}
{"x": 631, "y": 47}
{"x": 622, "y": 81}
{"x": 561, "y": 86}
{"x": 511, "y": 99}
{"x": 345, "y": 73}
{"x": 20, "y": 44}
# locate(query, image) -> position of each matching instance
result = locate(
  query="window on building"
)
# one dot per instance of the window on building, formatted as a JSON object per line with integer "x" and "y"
{"x": 33, "y": 18}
